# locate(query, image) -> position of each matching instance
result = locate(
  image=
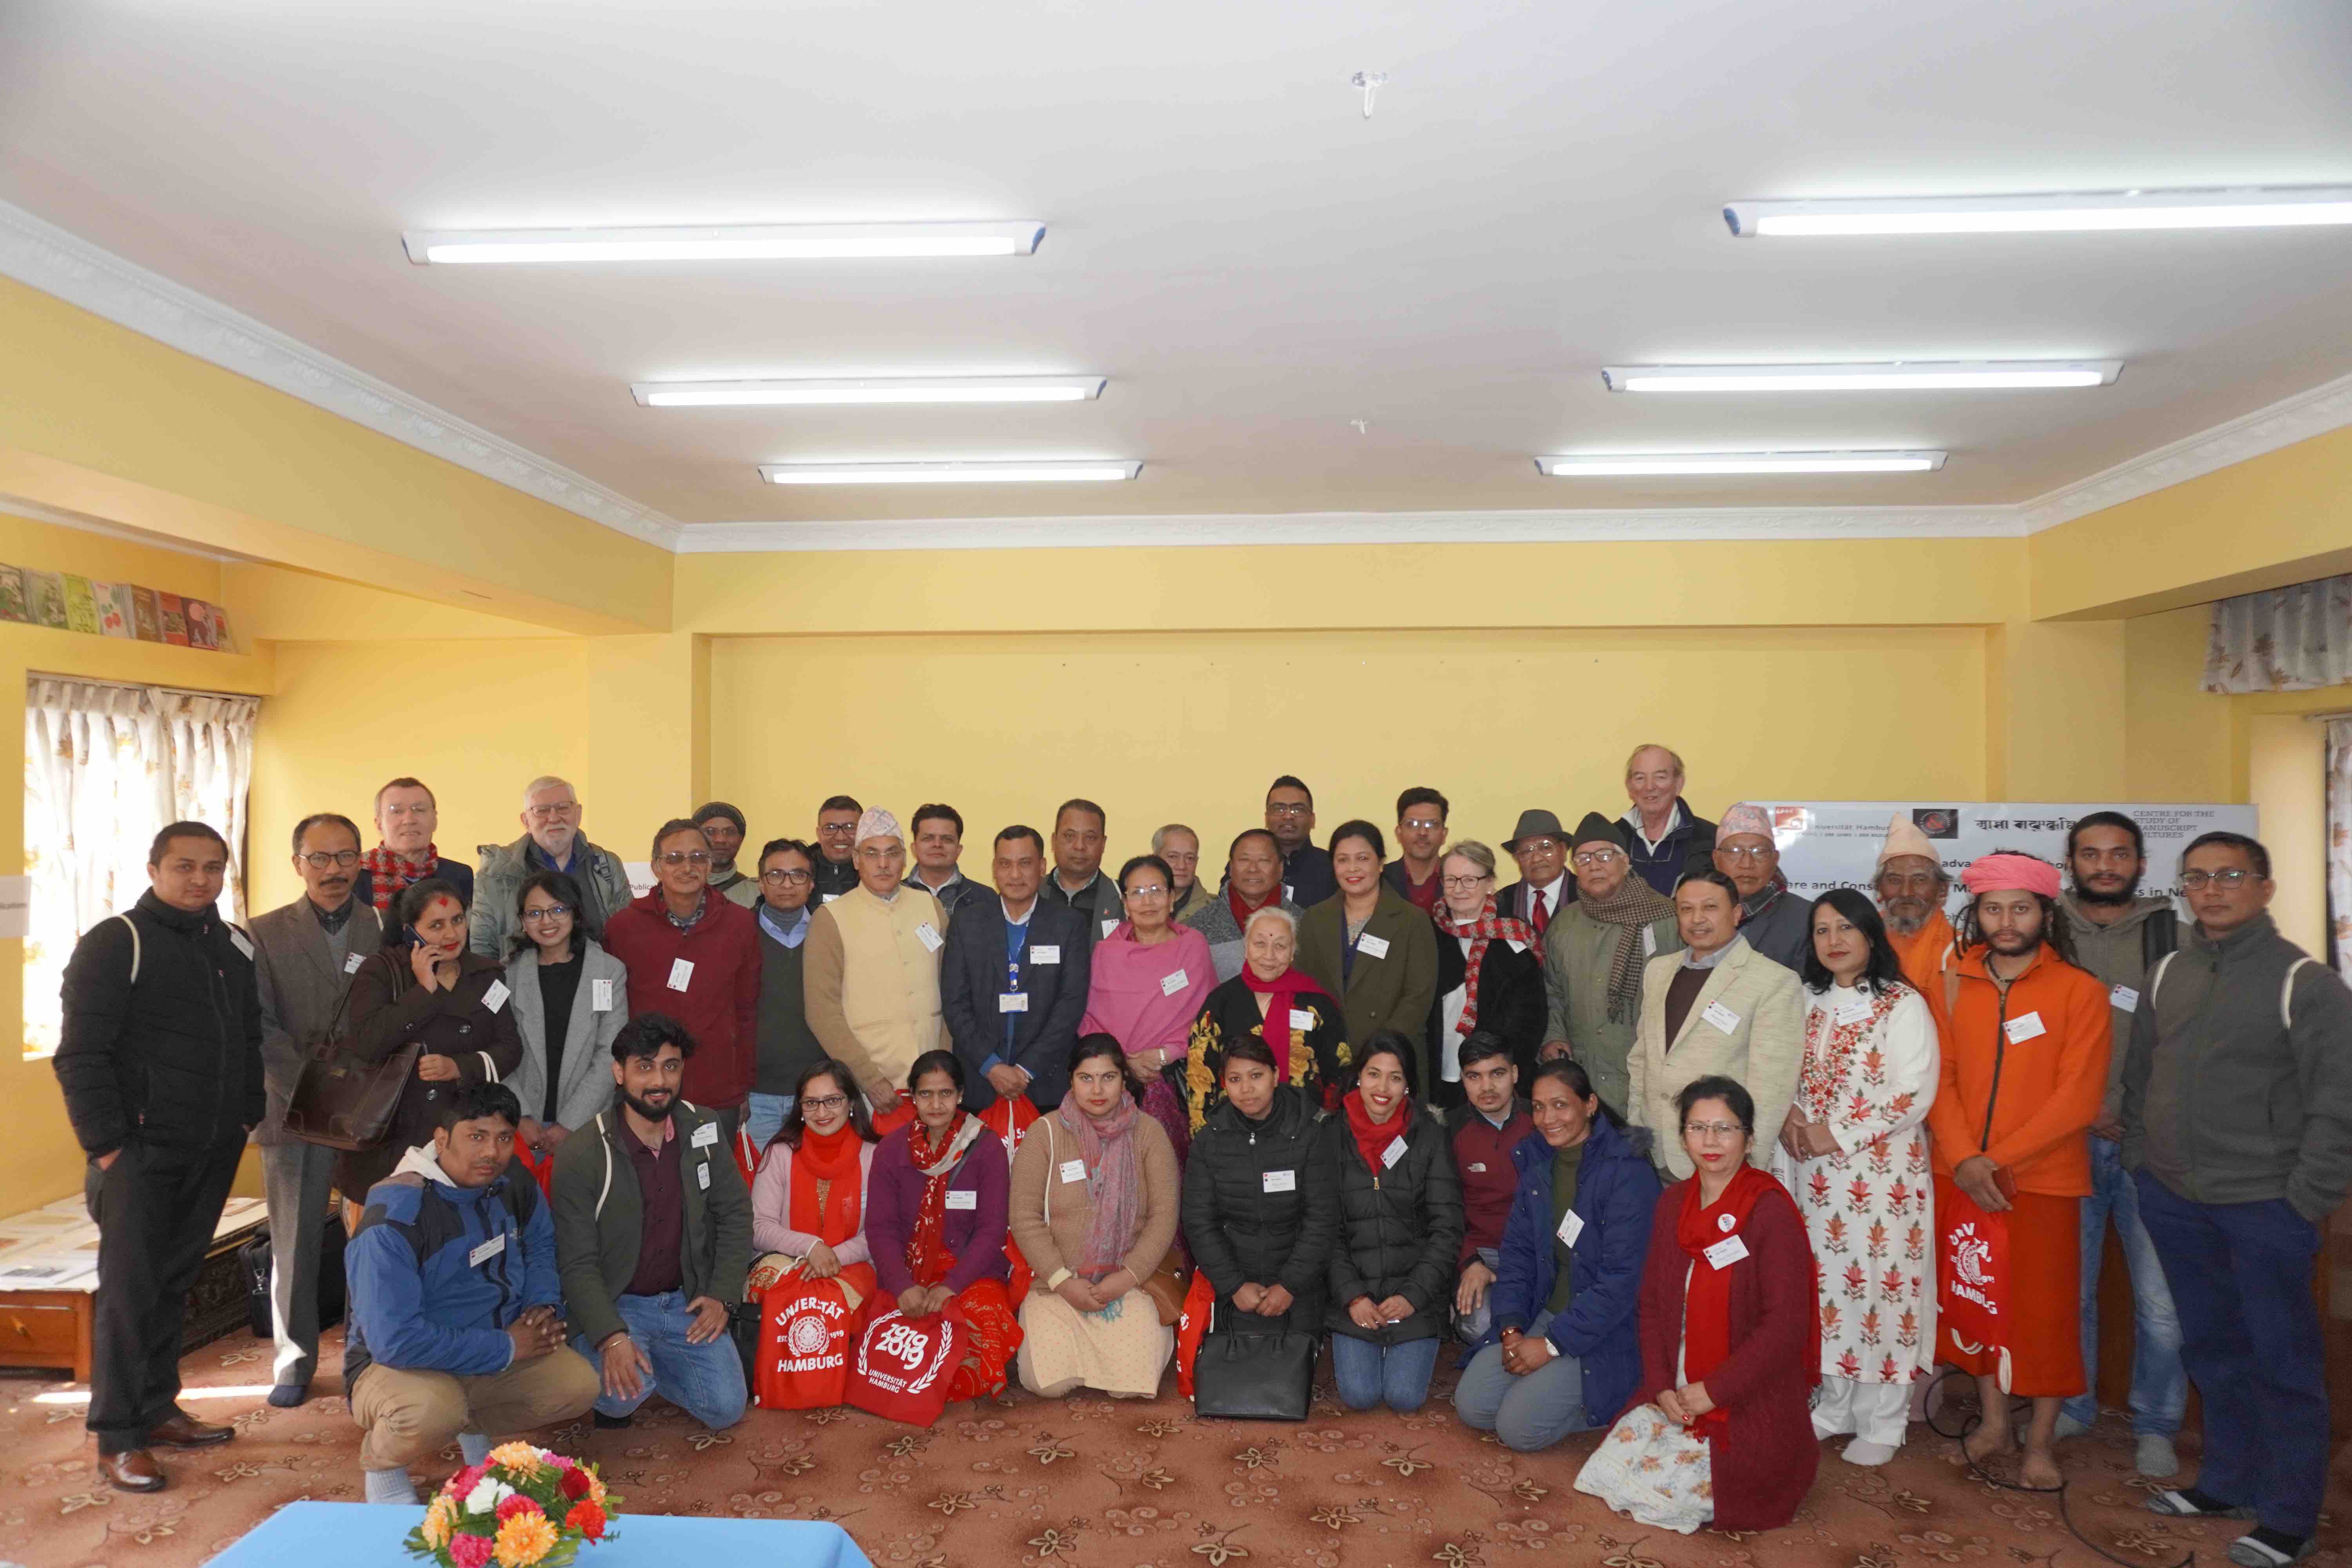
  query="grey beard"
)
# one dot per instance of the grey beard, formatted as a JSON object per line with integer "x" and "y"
{"x": 1902, "y": 925}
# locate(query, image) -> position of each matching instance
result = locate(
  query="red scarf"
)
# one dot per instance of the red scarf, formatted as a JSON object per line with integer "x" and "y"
{"x": 1707, "y": 1300}
{"x": 832, "y": 1159}
{"x": 927, "y": 1258}
{"x": 1373, "y": 1138}
{"x": 389, "y": 871}
{"x": 1284, "y": 988}
{"x": 1482, "y": 930}
{"x": 1243, "y": 909}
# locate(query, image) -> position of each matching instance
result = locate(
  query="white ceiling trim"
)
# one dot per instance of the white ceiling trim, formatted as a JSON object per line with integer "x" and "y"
{"x": 35, "y": 252}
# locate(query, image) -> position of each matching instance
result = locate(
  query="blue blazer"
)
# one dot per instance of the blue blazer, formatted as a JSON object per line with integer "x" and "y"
{"x": 1616, "y": 1191}
{"x": 971, "y": 977}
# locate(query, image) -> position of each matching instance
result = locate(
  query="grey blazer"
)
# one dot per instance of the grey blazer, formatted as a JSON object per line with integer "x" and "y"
{"x": 300, "y": 989}
{"x": 586, "y": 1085}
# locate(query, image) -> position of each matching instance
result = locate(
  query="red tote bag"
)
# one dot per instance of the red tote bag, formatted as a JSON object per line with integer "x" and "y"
{"x": 903, "y": 1365}
{"x": 1972, "y": 1284}
{"x": 1191, "y": 1324}
{"x": 804, "y": 1333}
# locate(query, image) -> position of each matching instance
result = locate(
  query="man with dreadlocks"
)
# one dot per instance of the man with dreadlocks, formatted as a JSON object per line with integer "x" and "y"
{"x": 2026, "y": 1039}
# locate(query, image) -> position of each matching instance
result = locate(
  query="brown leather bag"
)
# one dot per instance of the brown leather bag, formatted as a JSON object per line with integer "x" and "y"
{"x": 343, "y": 1101}
{"x": 1167, "y": 1287}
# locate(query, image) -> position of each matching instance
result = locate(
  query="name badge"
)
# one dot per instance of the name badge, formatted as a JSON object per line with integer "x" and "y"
{"x": 486, "y": 1250}
{"x": 1649, "y": 943}
{"x": 1302, "y": 1018}
{"x": 242, "y": 942}
{"x": 1371, "y": 946}
{"x": 705, "y": 1136}
{"x": 2124, "y": 997}
{"x": 1853, "y": 1013}
{"x": 496, "y": 996}
{"x": 1280, "y": 1181}
{"x": 1074, "y": 1170}
{"x": 964, "y": 1199}
{"x": 929, "y": 938}
{"x": 702, "y": 1175}
{"x": 600, "y": 995}
{"x": 828, "y": 898}
{"x": 1478, "y": 1168}
{"x": 1393, "y": 1152}
{"x": 1289, "y": 894}
{"x": 681, "y": 970}
{"x": 1571, "y": 1225}
{"x": 1174, "y": 983}
{"x": 1110, "y": 926}
{"x": 1045, "y": 954}
{"x": 2023, "y": 1028}
{"x": 1515, "y": 946}
{"x": 1721, "y": 1016}
{"x": 352, "y": 961}
{"x": 1013, "y": 1001}
{"x": 1727, "y": 1252}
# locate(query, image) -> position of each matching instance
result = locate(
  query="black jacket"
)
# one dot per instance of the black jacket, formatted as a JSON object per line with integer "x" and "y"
{"x": 1399, "y": 1228}
{"x": 1688, "y": 847}
{"x": 1511, "y": 1003}
{"x": 1306, "y": 876}
{"x": 973, "y": 975}
{"x": 1512, "y": 900}
{"x": 174, "y": 1058}
{"x": 1239, "y": 1231}
{"x": 834, "y": 877}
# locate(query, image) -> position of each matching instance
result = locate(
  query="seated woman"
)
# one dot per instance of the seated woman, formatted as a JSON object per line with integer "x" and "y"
{"x": 1262, "y": 1194}
{"x": 1730, "y": 1350}
{"x": 566, "y": 1018}
{"x": 1145, "y": 986}
{"x": 1271, "y": 1001}
{"x": 1563, "y": 1355}
{"x": 1400, "y": 1229}
{"x": 1094, "y": 1208}
{"x": 1489, "y": 973}
{"x": 935, "y": 1221}
{"x": 422, "y": 987}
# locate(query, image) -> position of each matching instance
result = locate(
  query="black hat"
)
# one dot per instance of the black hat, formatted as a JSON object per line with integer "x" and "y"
{"x": 1533, "y": 825}
{"x": 720, "y": 808}
{"x": 1595, "y": 830}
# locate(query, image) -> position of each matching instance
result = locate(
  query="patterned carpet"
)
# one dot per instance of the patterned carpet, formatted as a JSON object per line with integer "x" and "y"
{"x": 1087, "y": 1483}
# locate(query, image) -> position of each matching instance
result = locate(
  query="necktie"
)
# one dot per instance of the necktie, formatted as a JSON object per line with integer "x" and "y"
{"x": 1541, "y": 912}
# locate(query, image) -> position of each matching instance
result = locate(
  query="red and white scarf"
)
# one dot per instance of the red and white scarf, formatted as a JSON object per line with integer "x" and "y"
{"x": 1487, "y": 927}
{"x": 389, "y": 871}
{"x": 927, "y": 1258}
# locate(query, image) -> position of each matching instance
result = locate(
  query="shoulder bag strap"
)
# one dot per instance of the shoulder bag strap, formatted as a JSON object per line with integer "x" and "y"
{"x": 133, "y": 927}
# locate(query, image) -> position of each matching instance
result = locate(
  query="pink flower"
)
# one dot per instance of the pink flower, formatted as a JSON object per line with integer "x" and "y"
{"x": 469, "y": 1551}
{"x": 559, "y": 1461}
{"x": 464, "y": 1481}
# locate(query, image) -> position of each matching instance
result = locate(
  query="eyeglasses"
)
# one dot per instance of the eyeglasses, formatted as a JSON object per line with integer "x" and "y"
{"x": 550, "y": 812}
{"x": 1421, "y": 822}
{"x": 1592, "y": 857}
{"x": 421, "y": 808}
{"x": 785, "y": 878}
{"x": 686, "y": 858}
{"x": 1712, "y": 1129}
{"x": 1288, "y": 810}
{"x": 1463, "y": 884}
{"x": 1540, "y": 845}
{"x": 1153, "y": 890}
{"x": 547, "y": 912}
{"x": 889, "y": 850}
{"x": 1747, "y": 851}
{"x": 836, "y": 829}
{"x": 2229, "y": 879}
{"x": 319, "y": 859}
{"x": 824, "y": 1102}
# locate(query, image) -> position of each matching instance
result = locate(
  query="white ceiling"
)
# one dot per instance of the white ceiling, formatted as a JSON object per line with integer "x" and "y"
{"x": 1253, "y": 263}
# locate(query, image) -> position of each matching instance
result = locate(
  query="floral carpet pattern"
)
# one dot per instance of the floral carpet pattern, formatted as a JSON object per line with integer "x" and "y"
{"x": 1094, "y": 1483}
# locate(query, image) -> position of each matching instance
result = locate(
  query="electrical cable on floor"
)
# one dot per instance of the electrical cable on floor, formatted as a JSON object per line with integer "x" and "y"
{"x": 2065, "y": 1516}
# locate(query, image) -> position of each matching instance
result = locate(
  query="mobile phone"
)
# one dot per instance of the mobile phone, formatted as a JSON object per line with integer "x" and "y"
{"x": 409, "y": 936}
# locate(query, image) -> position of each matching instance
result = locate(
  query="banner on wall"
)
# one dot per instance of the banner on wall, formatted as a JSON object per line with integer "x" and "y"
{"x": 1828, "y": 844}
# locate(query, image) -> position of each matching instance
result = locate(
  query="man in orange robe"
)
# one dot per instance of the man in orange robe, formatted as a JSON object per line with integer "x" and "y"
{"x": 2025, "y": 1071}
{"x": 1912, "y": 886}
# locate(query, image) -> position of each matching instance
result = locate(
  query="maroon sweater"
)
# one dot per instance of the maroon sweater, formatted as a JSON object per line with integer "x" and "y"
{"x": 1482, "y": 1159}
{"x": 1764, "y": 1462}
{"x": 720, "y": 1004}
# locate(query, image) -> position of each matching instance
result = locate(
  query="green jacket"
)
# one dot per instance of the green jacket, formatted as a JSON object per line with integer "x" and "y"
{"x": 599, "y": 1217}
{"x": 1577, "y": 950}
{"x": 492, "y": 927}
{"x": 1393, "y": 991}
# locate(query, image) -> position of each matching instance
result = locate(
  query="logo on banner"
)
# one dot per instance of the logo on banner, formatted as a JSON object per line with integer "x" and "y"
{"x": 1936, "y": 821}
{"x": 1970, "y": 1255}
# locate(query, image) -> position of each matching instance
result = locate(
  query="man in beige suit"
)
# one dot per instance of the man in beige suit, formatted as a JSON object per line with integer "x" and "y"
{"x": 1718, "y": 1006}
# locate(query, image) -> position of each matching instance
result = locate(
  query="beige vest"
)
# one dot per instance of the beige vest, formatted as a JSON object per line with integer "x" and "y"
{"x": 890, "y": 978}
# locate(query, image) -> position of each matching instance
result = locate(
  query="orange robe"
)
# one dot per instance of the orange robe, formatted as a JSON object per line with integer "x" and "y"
{"x": 1923, "y": 960}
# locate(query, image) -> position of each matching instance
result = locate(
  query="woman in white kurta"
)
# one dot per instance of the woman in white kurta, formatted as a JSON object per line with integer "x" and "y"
{"x": 1854, "y": 1154}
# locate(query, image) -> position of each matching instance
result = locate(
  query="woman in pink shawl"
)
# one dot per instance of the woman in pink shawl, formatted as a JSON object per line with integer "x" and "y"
{"x": 1148, "y": 979}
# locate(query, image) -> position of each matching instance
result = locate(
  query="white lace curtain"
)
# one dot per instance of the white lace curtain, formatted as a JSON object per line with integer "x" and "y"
{"x": 2288, "y": 639}
{"x": 2340, "y": 842}
{"x": 105, "y": 767}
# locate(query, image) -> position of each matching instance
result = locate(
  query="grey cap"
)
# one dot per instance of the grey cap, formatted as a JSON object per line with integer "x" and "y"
{"x": 1534, "y": 825}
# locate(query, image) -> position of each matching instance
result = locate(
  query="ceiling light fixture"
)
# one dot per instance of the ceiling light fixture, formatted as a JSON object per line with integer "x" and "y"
{"x": 997, "y": 473}
{"x": 1895, "y": 376}
{"x": 2256, "y": 206}
{"x": 769, "y": 242}
{"x": 870, "y": 389}
{"x": 1593, "y": 465}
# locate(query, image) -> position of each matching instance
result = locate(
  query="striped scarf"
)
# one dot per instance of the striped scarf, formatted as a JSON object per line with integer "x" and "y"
{"x": 1633, "y": 905}
{"x": 1482, "y": 930}
{"x": 389, "y": 871}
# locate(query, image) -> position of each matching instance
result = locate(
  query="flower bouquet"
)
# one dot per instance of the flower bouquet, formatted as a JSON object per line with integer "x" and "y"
{"x": 520, "y": 1507}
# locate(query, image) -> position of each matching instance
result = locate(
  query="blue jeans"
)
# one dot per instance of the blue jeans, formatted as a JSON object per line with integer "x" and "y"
{"x": 706, "y": 1380}
{"x": 2160, "y": 1389}
{"x": 762, "y": 1115}
{"x": 2240, "y": 1274}
{"x": 1370, "y": 1374}
{"x": 1527, "y": 1413}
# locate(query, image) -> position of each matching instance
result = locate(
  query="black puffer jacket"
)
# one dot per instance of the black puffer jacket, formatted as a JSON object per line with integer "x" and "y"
{"x": 1245, "y": 1223}
{"x": 173, "y": 1058}
{"x": 1399, "y": 1230}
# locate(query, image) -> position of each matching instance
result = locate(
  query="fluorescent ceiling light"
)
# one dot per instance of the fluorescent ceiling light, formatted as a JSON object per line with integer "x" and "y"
{"x": 888, "y": 389}
{"x": 1597, "y": 463}
{"x": 771, "y": 242}
{"x": 1900, "y": 377}
{"x": 2248, "y": 208}
{"x": 1006, "y": 473}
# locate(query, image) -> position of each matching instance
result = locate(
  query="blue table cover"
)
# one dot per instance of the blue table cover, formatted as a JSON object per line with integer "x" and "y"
{"x": 369, "y": 1535}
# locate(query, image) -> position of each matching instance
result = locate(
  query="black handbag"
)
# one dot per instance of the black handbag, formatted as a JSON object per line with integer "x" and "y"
{"x": 1256, "y": 1374}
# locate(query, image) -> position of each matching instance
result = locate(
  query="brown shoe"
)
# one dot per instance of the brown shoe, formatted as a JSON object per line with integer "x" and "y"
{"x": 184, "y": 1431}
{"x": 132, "y": 1470}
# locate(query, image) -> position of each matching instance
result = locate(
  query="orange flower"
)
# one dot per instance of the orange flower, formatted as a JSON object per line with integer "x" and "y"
{"x": 523, "y": 1540}
{"x": 587, "y": 1519}
{"x": 439, "y": 1516}
{"x": 521, "y": 1459}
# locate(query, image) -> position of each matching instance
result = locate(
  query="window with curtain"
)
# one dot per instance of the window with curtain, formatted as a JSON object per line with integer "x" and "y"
{"x": 2339, "y": 844}
{"x": 106, "y": 766}
{"x": 2287, "y": 639}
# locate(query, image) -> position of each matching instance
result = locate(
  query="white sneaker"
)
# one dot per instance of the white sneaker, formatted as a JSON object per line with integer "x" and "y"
{"x": 1873, "y": 1455}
